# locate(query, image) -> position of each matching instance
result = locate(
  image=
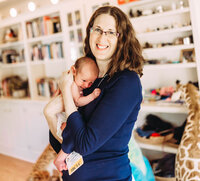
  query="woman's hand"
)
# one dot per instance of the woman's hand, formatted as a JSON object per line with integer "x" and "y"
{"x": 59, "y": 162}
{"x": 65, "y": 80}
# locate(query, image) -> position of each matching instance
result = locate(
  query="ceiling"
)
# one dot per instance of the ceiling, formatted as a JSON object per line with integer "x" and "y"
{"x": 5, "y": 3}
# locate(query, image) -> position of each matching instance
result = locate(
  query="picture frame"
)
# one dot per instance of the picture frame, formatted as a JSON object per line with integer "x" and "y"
{"x": 187, "y": 55}
{"x": 71, "y": 36}
{"x": 69, "y": 18}
{"x": 80, "y": 36}
{"x": 78, "y": 17}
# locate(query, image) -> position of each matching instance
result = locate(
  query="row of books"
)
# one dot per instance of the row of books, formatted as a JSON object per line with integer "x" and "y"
{"x": 47, "y": 51}
{"x": 45, "y": 25}
{"x": 46, "y": 87}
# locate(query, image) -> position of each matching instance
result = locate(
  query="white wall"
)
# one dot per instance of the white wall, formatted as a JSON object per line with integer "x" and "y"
{"x": 24, "y": 130}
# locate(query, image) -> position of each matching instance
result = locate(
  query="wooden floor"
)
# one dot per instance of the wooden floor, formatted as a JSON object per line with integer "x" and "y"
{"x": 12, "y": 169}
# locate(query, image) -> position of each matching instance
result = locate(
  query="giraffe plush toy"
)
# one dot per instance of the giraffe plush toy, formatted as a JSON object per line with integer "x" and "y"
{"x": 187, "y": 167}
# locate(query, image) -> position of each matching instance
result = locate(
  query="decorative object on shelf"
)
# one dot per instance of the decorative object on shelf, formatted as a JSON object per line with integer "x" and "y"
{"x": 159, "y": 9}
{"x": 44, "y": 168}
{"x": 10, "y": 36}
{"x": 163, "y": 93}
{"x": 154, "y": 131}
{"x": 187, "y": 55}
{"x": 188, "y": 154}
{"x": 15, "y": 87}
{"x": 12, "y": 56}
{"x": 147, "y": 12}
{"x": 164, "y": 168}
{"x": 173, "y": 6}
{"x": 125, "y": 1}
{"x": 181, "y": 3}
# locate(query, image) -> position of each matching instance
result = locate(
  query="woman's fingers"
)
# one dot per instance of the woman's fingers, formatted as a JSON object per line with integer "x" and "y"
{"x": 56, "y": 93}
{"x": 66, "y": 79}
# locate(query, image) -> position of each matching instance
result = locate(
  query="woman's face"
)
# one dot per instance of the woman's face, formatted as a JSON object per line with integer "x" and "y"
{"x": 103, "y": 45}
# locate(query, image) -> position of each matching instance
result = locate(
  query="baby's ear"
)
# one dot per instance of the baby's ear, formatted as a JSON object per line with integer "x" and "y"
{"x": 73, "y": 69}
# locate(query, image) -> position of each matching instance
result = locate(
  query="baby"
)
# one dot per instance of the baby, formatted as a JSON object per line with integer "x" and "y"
{"x": 85, "y": 72}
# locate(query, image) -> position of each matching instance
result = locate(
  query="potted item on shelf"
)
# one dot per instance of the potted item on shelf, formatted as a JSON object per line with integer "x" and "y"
{"x": 187, "y": 55}
{"x": 10, "y": 36}
{"x": 164, "y": 168}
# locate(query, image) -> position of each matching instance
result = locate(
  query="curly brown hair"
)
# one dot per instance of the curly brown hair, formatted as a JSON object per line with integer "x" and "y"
{"x": 128, "y": 53}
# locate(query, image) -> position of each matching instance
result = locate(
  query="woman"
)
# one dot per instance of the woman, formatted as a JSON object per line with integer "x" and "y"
{"x": 101, "y": 130}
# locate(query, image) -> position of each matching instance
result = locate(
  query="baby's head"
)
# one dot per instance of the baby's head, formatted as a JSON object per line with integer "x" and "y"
{"x": 85, "y": 71}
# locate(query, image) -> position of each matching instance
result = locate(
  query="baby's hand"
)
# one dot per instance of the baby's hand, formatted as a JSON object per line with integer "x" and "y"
{"x": 96, "y": 92}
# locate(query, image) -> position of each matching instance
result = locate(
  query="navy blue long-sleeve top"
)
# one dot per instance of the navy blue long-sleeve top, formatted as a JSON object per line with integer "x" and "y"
{"x": 101, "y": 130}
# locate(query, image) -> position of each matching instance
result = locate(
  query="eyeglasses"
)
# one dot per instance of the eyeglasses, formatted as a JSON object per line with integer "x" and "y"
{"x": 99, "y": 31}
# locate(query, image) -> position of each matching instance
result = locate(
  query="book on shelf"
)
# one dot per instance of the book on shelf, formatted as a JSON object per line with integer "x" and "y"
{"x": 47, "y": 51}
{"x": 46, "y": 87}
{"x": 45, "y": 25}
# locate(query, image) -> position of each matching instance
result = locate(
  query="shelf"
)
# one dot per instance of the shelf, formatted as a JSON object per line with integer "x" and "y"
{"x": 167, "y": 31}
{"x": 11, "y": 65}
{"x": 59, "y": 60}
{"x": 169, "y": 66}
{"x": 168, "y": 48}
{"x": 11, "y": 44}
{"x": 163, "y": 108}
{"x": 10, "y": 99}
{"x": 52, "y": 37}
{"x": 166, "y": 147}
{"x": 37, "y": 62}
{"x": 159, "y": 15}
{"x": 49, "y": 61}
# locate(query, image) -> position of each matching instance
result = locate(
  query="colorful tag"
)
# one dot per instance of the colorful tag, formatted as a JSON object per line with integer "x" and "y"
{"x": 74, "y": 160}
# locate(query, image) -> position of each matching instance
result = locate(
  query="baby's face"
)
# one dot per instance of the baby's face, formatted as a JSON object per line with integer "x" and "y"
{"x": 85, "y": 79}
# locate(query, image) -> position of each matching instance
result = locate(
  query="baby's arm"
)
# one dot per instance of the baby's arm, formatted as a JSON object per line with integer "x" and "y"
{"x": 84, "y": 100}
{"x": 54, "y": 106}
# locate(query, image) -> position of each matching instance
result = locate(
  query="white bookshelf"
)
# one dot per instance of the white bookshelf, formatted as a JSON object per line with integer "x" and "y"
{"x": 160, "y": 15}
{"x": 161, "y": 28}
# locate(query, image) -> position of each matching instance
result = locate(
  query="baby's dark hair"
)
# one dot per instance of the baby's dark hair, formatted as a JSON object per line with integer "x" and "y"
{"x": 80, "y": 62}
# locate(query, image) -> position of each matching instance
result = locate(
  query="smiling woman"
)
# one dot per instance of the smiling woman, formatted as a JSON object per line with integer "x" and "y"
{"x": 100, "y": 131}
{"x": 103, "y": 43}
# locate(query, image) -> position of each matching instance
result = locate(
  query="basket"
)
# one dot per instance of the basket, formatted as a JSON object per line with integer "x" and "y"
{"x": 12, "y": 39}
{"x": 165, "y": 178}
{"x": 153, "y": 140}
